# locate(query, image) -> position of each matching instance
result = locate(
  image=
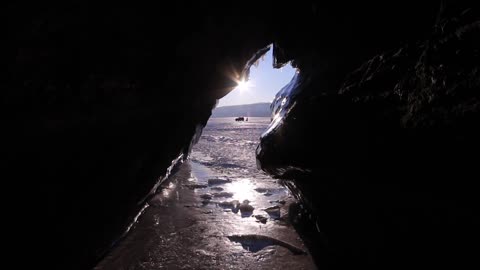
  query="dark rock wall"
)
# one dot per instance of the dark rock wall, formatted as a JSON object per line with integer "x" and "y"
{"x": 386, "y": 158}
{"x": 100, "y": 99}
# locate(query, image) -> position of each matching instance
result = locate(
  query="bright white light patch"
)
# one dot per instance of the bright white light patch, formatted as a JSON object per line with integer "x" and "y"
{"x": 243, "y": 85}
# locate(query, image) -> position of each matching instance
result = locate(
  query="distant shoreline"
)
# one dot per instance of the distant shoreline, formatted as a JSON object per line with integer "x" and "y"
{"x": 243, "y": 104}
{"x": 245, "y": 116}
{"x": 246, "y": 110}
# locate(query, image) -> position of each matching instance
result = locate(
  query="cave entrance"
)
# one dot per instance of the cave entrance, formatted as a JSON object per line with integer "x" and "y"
{"x": 219, "y": 205}
{"x": 244, "y": 203}
{"x": 263, "y": 83}
{"x": 228, "y": 142}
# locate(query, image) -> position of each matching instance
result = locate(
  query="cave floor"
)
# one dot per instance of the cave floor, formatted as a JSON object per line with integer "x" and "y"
{"x": 194, "y": 223}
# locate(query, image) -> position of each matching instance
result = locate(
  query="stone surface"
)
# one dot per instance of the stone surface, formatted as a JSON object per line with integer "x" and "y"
{"x": 384, "y": 162}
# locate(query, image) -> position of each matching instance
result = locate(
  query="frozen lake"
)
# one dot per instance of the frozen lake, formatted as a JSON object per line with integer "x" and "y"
{"x": 218, "y": 211}
{"x": 227, "y": 148}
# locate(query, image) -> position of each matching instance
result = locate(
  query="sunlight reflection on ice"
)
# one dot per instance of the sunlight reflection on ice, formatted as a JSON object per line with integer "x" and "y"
{"x": 167, "y": 191}
{"x": 243, "y": 189}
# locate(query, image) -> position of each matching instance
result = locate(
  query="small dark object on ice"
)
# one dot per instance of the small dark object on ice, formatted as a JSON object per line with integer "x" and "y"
{"x": 261, "y": 219}
{"x": 218, "y": 181}
{"x": 206, "y": 196}
{"x": 261, "y": 190}
{"x": 223, "y": 194}
{"x": 246, "y": 209}
{"x": 194, "y": 186}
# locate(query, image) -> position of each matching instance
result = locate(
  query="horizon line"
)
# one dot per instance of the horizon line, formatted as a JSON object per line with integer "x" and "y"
{"x": 243, "y": 104}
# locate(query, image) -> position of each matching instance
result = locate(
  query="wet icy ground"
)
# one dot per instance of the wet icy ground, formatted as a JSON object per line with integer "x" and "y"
{"x": 218, "y": 211}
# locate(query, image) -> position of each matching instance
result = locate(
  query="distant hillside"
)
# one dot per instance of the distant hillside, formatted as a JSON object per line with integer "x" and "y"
{"x": 249, "y": 110}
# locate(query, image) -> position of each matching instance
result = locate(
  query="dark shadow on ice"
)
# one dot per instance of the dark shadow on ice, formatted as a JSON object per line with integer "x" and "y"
{"x": 255, "y": 243}
{"x": 232, "y": 205}
{"x": 218, "y": 181}
{"x": 230, "y": 165}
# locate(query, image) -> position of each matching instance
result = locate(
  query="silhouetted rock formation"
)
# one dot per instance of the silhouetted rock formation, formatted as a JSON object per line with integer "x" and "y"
{"x": 386, "y": 160}
{"x": 103, "y": 99}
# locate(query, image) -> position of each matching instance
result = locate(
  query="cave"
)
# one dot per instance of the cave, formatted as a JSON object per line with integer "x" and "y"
{"x": 376, "y": 135}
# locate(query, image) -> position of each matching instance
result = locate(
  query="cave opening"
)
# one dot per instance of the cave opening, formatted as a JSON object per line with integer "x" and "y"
{"x": 232, "y": 133}
{"x": 260, "y": 83}
{"x": 249, "y": 207}
{"x": 220, "y": 191}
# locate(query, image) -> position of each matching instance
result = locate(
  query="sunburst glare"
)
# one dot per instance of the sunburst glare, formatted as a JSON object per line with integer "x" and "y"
{"x": 262, "y": 84}
{"x": 243, "y": 85}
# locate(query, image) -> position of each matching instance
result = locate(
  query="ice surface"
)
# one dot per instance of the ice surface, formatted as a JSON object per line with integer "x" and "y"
{"x": 212, "y": 215}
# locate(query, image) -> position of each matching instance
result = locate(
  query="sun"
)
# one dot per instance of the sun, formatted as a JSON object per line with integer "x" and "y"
{"x": 243, "y": 85}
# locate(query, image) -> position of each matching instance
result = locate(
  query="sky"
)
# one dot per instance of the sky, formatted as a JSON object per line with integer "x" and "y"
{"x": 264, "y": 83}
